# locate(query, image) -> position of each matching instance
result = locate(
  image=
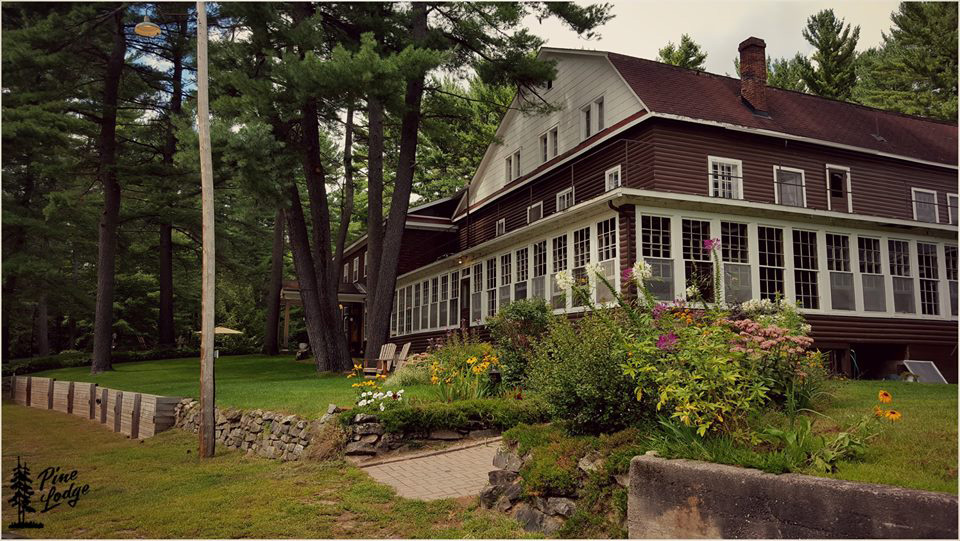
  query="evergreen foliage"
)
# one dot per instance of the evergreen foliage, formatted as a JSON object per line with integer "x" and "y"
{"x": 831, "y": 70}
{"x": 685, "y": 55}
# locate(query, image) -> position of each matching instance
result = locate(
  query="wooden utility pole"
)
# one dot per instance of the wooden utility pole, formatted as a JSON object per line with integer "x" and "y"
{"x": 207, "y": 391}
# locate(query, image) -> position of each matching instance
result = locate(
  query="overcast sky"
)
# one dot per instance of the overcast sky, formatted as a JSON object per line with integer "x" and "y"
{"x": 641, "y": 28}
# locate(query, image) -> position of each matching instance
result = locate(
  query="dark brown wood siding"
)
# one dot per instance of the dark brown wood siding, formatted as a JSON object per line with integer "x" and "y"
{"x": 880, "y": 186}
{"x": 421, "y": 247}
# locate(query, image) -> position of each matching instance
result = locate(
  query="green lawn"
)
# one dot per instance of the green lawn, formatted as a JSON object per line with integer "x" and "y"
{"x": 278, "y": 384}
{"x": 160, "y": 489}
{"x": 919, "y": 451}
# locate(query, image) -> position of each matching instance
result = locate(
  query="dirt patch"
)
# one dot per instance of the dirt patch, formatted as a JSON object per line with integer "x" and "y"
{"x": 327, "y": 444}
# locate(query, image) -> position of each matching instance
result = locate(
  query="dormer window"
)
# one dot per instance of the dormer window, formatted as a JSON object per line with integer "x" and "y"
{"x": 592, "y": 118}
{"x": 726, "y": 179}
{"x": 925, "y": 206}
{"x": 612, "y": 178}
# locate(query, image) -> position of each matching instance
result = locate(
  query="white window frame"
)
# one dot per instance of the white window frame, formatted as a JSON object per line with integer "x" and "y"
{"x": 599, "y": 111}
{"x": 516, "y": 164}
{"x": 537, "y": 204}
{"x": 365, "y": 262}
{"x": 346, "y": 273}
{"x": 606, "y": 178}
{"x": 846, "y": 169}
{"x": 594, "y": 124}
{"x": 729, "y": 161}
{"x": 586, "y": 121}
{"x": 548, "y": 143}
{"x": 356, "y": 268}
{"x": 563, "y": 193}
{"x": 554, "y": 134}
{"x": 803, "y": 182}
{"x": 950, "y": 209}
{"x": 508, "y": 168}
{"x": 936, "y": 203}
{"x": 501, "y": 227}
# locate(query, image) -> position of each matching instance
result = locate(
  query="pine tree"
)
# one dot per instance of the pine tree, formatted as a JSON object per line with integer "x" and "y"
{"x": 687, "y": 55}
{"x": 835, "y": 57}
{"x": 22, "y": 487}
{"x": 914, "y": 70}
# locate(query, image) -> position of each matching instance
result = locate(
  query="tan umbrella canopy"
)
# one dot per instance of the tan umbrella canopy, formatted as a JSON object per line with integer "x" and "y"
{"x": 223, "y": 330}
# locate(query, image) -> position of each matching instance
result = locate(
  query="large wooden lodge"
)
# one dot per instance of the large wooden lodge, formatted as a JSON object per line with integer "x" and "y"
{"x": 850, "y": 211}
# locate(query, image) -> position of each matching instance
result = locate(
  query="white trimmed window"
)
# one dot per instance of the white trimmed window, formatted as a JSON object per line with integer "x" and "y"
{"x": 805, "y": 269}
{"x": 771, "y": 262}
{"x": 899, "y": 256}
{"x": 425, "y": 309}
{"x": 523, "y": 273}
{"x": 356, "y": 268}
{"x": 506, "y": 277}
{"x": 586, "y": 122}
{"x": 789, "y": 186}
{"x": 929, "y": 274}
{"x": 952, "y": 208}
{"x": 491, "y": 287}
{"x": 655, "y": 246}
{"x": 698, "y": 268}
{"x": 501, "y": 226}
{"x": 839, "y": 197}
{"x": 408, "y": 323}
{"x": 612, "y": 178}
{"x": 444, "y": 297}
{"x": 346, "y": 273}
{"x": 599, "y": 113}
{"x": 841, "y": 277}
{"x": 393, "y": 316}
{"x": 737, "y": 281}
{"x": 476, "y": 298}
{"x": 516, "y": 164}
{"x": 416, "y": 307}
{"x": 581, "y": 256}
{"x": 592, "y": 118}
{"x": 455, "y": 298}
{"x": 365, "y": 264}
{"x": 549, "y": 144}
{"x": 434, "y": 301}
{"x": 871, "y": 275}
{"x": 565, "y": 199}
{"x": 925, "y": 205}
{"x": 607, "y": 255}
{"x": 726, "y": 179}
{"x": 534, "y": 212}
{"x": 540, "y": 270}
{"x": 951, "y": 265}
{"x": 508, "y": 169}
{"x": 558, "y": 294}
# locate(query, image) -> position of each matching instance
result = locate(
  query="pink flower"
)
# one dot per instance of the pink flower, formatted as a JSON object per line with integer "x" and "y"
{"x": 667, "y": 341}
{"x": 626, "y": 275}
{"x": 710, "y": 244}
{"x": 659, "y": 309}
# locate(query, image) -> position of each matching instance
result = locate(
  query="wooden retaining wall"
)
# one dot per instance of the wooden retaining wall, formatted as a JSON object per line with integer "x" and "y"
{"x": 135, "y": 415}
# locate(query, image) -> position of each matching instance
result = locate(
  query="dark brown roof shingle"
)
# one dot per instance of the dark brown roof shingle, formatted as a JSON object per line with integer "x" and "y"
{"x": 704, "y": 96}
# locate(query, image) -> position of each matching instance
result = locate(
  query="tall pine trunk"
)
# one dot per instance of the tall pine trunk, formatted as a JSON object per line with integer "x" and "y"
{"x": 307, "y": 278}
{"x": 270, "y": 346}
{"x": 165, "y": 326}
{"x": 109, "y": 218}
{"x": 43, "y": 327}
{"x": 379, "y": 311}
{"x": 374, "y": 219}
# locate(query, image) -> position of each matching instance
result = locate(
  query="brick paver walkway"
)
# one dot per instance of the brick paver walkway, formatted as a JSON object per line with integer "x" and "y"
{"x": 451, "y": 474}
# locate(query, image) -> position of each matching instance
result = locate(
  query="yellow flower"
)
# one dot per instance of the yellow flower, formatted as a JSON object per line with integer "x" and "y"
{"x": 879, "y": 412}
{"x": 893, "y": 415}
{"x": 434, "y": 380}
{"x": 350, "y": 376}
{"x": 884, "y": 397}
{"x": 471, "y": 360}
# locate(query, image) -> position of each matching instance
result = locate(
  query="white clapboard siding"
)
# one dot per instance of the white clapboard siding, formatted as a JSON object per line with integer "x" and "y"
{"x": 84, "y": 399}
{"x": 41, "y": 392}
{"x": 581, "y": 78}
{"x": 62, "y": 396}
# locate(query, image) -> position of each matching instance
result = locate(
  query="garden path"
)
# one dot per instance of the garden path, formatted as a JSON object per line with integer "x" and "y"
{"x": 451, "y": 473}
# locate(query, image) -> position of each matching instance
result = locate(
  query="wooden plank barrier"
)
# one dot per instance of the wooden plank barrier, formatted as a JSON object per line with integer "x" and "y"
{"x": 41, "y": 393}
{"x": 156, "y": 414}
{"x": 102, "y": 402}
{"x": 21, "y": 390}
{"x": 84, "y": 399}
{"x": 63, "y": 396}
{"x": 130, "y": 414}
{"x": 114, "y": 403}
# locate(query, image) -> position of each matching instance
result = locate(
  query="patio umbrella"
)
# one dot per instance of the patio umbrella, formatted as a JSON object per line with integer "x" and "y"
{"x": 223, "y": 330}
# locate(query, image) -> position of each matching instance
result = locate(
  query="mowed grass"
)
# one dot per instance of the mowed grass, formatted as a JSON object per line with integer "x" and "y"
{"x": 279, "y": 384}
{"x": 160, "y": 489}
{"x": 919, "y": 451}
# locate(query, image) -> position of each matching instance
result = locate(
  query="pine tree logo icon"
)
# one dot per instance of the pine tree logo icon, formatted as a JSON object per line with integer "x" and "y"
{"x": 22, "y": 487}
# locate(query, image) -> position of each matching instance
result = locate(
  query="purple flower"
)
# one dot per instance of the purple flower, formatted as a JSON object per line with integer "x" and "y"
{"x": 666, "y": 341}
{"x": 710, "y": 244}
{"x": 659, "y": 309}
{"x": 626, "y": 275}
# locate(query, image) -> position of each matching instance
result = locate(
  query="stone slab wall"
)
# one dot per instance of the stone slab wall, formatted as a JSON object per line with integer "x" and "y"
{"x": 261, "y": 433}
{"x": 691, "y": 499}
{"x": 367, "y": 437}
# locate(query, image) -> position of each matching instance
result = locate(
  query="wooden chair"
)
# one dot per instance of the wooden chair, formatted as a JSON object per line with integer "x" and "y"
{"x": 373, "y": 367}
{"x": 401, "y": 359}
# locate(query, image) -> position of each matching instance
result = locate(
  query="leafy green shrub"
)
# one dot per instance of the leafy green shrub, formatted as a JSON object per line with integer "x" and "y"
{"x": 514, "y": 329}
{"x": 499, "y": 413}
{"x": 576, "y": 369}
{"x": 526, "y": 436}
{"x": 553, "y": 468}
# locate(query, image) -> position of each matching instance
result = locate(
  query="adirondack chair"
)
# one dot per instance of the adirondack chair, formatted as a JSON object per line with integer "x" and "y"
{"x": 401, "y": 359}
{"x": 373, "y": 367}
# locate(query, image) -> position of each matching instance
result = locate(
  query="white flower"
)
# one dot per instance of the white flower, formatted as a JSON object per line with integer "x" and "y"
{"x": 563, "y": 280}
{"x": 594, "y": 269}
{"x": 692, "y": 292}
{"x": 641, "y": 273}
{"x": 400, "y": 391}
{"x": 381, "y": 406}
{"x": 389, "y": 394}
{"x": 362, "y": 403}
{"x": 806, "y": 328}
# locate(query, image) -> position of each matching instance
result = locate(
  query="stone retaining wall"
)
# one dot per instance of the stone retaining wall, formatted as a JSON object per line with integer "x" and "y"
{"x": 367, "y": 437}
{"x": 262, "y": 433}
{"x": 691, "y": 499}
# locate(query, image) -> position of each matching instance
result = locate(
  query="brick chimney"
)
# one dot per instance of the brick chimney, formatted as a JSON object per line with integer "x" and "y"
{"x": 753, "y": 73}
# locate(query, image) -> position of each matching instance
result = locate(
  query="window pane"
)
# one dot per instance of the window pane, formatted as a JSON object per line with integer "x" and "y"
{"x": 609, "y": 269}
{"x": 874, "y": 293}
{"x": 655, "y": 236}
{"x": 540, "y": 258}
{"x": 694, "y": 233}
{"x": 903, "y": 295}
{"x": 733, "y": 242}
{"x": 607, "y": 239}
{"x": 841, "y": 291}
{"x": 926, "y": 206}
{"x": 724, "y": 178}
{"x": 838, "y": 252}
{"x": 929, "y": 284}
{"x": 869, "y": 251}
{"x": 539, "y": 287}
{"x": 661, "y": 285}
{"x": 770, "y": 240}
{"x": 737, "y": 283}
{"x": 805, "y": 264}
{"x": 559, "y": 254}
{"x": 790, "y": 188}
